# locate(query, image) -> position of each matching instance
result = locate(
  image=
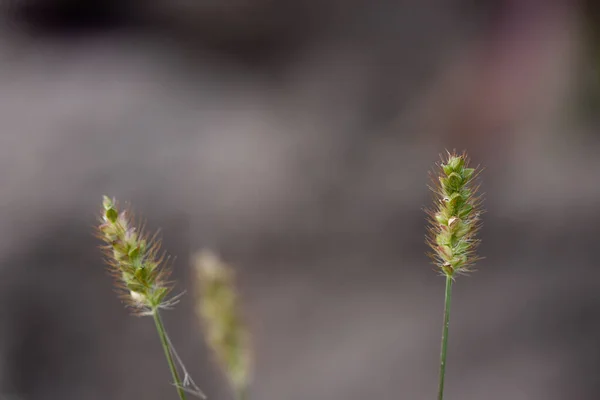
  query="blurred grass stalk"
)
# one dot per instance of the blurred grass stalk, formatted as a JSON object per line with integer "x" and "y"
{"x": 453, "y": 225}
{"x": 218, "y": 309}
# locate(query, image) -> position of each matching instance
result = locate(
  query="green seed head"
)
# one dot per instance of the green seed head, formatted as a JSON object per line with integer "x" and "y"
{"x": 133, "y": 259}
{"x": 455, "y": 218}
{"x": 218, "y": 310}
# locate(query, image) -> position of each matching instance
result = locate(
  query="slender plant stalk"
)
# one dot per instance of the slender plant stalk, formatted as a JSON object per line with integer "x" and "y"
{"x": 445, "y": 337}
{"x": 141, "y": 274}
{"x": 453, "y": 225}
{"x": 160, "y": 328}
{"x": 241, "y": 394}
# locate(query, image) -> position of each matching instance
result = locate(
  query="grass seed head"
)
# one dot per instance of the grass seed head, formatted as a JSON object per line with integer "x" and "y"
{"x": 134, "y": 259}
{"x": 455, "y": 219}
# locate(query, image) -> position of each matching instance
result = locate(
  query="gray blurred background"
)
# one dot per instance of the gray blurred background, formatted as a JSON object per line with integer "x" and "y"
{"x": 294, "y": 138}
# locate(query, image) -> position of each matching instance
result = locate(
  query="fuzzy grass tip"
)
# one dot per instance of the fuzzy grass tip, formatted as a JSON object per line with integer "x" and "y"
{"x": 134, "y": 260}
{"x": 455, "y": 219}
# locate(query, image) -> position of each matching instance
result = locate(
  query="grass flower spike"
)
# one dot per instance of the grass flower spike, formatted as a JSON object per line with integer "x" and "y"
{"x": 141, "y": 275}
{"x": 218, "y": 309}
{"x": 454, "y": 223}
{"x": 455, "y": 220}
{"x": 134, "y": 260}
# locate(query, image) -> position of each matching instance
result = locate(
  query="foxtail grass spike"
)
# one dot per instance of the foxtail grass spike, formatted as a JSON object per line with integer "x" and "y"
{"x": 455, "y": 219}
{"x": 140, "y": 273}
{"x": 134, "y": 260}
{"x": 453, "y": 224}
{"x": 219, "y": 312}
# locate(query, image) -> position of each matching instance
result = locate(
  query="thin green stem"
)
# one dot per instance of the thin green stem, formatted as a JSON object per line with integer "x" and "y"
{"x": 241, "y": 394}
{"x": 167, "y": 348}
{"x": 445, "y": 336}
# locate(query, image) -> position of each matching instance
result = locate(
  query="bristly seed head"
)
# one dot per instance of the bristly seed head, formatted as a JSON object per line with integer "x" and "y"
{"x": 133, "y": 258}
{"x": 455, "y": 219}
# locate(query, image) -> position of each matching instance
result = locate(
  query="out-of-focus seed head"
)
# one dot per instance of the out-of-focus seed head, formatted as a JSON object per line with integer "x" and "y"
{"x": 219, "y": 311}
{"x": 455, "y": 219}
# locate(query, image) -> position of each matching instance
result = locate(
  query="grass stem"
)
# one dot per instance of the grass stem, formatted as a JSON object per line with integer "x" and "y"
{"x": 241, "y": 394}
{"x": 445, "y": 337}
{"x": 160, "y": 328}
